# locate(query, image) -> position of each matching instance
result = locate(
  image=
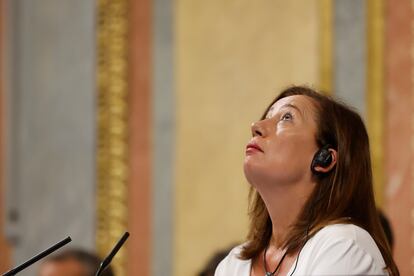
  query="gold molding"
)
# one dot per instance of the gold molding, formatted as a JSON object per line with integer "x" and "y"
{"x": 375, "y": 91}
{"x": 112, "y": 167}
{"x": 326, "y": 46}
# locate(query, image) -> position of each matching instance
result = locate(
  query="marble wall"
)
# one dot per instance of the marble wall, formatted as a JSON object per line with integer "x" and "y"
{"x": 349, "y": 27}
{"x": 399, "y": 132}
{"x": 231, "y": 59}
{"x": 50, "y": 165}
{"x": 205, "y": 71}
{"x": 4, "y": 245}
{"x": 164, "y": 140}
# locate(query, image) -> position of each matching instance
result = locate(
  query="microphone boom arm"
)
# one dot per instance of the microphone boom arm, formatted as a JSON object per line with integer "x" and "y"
{"x": 36, "y": 258}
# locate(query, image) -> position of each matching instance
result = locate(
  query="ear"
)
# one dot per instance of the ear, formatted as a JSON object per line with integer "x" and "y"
{"x": 327, "y": 169}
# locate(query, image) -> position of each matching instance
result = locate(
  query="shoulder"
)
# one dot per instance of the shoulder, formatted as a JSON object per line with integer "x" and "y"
{"x": 232, "y": 265}
{"x": 344, "y": 231}
{"x": 346, "y": 248}
{"x": 350, "y": 233}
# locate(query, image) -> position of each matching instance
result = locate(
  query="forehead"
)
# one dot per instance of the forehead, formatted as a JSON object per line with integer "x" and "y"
{"x": 305, "y": 104}
{"x": 62, "y": 268}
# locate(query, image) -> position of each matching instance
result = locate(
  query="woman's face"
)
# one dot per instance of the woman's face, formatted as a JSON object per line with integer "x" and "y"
{"x": 283, "y": 144}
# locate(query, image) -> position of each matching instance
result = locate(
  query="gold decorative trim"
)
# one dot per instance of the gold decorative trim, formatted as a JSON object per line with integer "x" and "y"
{"x": 375, "y": 91}
{"x": 326, "y": 46}
{"x": 112, "y": 167}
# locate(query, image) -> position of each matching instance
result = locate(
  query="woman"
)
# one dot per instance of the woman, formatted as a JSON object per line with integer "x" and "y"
{"x": 312, "y": 205}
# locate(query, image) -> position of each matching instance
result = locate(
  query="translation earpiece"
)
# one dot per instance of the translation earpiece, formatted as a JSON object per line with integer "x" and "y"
{"x": 322, "y": 158}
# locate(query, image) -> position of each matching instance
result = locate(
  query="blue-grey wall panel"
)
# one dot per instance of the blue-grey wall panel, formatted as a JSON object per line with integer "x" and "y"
{"x": 163, "y": 114}
{"x": 350, "y": 52}
{"x": 51, "y": 124}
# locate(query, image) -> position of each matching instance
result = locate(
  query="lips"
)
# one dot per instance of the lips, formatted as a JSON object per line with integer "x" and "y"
{"x": 251, "y": 147}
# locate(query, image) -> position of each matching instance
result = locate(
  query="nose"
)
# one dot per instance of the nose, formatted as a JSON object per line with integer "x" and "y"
{"x": 257, "y": 129}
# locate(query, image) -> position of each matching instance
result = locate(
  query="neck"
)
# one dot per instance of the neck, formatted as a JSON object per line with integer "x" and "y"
{"x": 284, "y": 204}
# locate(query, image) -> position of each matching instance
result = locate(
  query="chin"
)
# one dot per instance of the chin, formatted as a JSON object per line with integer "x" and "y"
{"x": 247, "y": 169}
{"x": 252, "y": 173}
{"x": 260, "y": 177}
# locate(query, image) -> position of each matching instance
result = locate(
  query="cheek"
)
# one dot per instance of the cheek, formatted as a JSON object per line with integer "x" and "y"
{"x": 300, "y": 144}
{"x": 291, "y": 151}
{"x": 286, "y": 160}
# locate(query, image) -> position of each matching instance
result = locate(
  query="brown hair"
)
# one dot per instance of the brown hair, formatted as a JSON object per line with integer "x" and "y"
{"x": 344, "y": 195}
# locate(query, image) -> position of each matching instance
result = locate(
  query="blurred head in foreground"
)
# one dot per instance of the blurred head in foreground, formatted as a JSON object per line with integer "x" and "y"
{"x": 72, "y": 262}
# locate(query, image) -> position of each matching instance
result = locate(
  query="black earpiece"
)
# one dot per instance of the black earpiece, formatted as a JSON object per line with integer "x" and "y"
{"x": 322, "y": 158}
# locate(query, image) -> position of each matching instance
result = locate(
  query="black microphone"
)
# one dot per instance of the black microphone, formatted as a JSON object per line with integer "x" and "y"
{"x": 36, "y": 258}
{"x": 115, "y": 250}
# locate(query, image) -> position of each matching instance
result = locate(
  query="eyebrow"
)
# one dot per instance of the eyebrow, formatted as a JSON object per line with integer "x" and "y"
{"x": 294, "y": 107}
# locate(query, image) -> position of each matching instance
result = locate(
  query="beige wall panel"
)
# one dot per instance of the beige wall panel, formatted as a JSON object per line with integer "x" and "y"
{"x": 231, "y": 58}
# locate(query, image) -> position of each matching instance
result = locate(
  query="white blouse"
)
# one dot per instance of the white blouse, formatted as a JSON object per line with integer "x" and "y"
{"x": 338, "y": 249}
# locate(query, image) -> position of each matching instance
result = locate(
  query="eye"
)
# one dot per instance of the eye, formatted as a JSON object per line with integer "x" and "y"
{"x": 287, "y": 117}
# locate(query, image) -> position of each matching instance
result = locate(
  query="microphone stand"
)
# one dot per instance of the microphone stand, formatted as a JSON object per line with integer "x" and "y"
{"x": 115, "y": 250}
